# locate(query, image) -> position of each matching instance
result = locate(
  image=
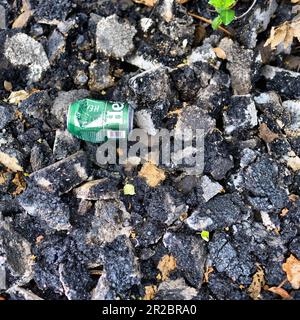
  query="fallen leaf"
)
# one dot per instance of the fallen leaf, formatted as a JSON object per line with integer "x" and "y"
{"x": 16, "y": 97}
{"x": 258, "y": 281}
{"x": 294, "y": 163}
{"x": 129, "y": 189}
{"x": 39, "y": 239}
{"x": 285, "y": 33}
{"x": 3, "y": 178}
{"x": 293, "y": 197}
{"x": 166, "y": 265}
{"x": 150, "y": 292}
{"x": 205, "y": 235}
{"x": 10, "y": 162}
{"x": 19, "y": 182}
{"x": 292, "y": 269}
{"x": 208, "y": 271}
{"x": 22, "y": 20}
{"x": 295, "y": 1}
{"x": 153, "y": 175}
{"x": 266, "y": 134}
{"x": 7, "y": 85}
{"x": 281, "y": 292}
{"x": 284, "y": 212}
{"x": 220, "y": 53}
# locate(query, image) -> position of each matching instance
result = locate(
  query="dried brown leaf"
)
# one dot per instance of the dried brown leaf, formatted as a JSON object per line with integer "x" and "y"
{"x": 16, "y": 97}
{"x": 258, "y": 281}
{"x": 292, "y": 269}
{"x": 150, "y": 292}
{"x": 281, "y": 292}
{"x": 22, "y": 19}
{"x": 220, "y": 53}
{"x": 208, "y": 271}
{"x": 166, "y": 265}
{"x": 266, "y": 134}
{"x": 285, "y": 33}
{"x": 153, "y": 175}
{"x": 19, "y": 182}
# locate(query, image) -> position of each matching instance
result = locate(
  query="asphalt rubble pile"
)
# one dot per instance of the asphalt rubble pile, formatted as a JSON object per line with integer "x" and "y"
{"x": 67, "y": 231}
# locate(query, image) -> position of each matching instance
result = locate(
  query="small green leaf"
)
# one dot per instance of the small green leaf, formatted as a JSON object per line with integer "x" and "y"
{"x": 216, "y": 22}
{"x": 129, "y": 189}
{"x": 222, "y": 4}
{"x": 216, "y": 3}
{"x": 205, "y": 235}
{"x": 227, "y": 16}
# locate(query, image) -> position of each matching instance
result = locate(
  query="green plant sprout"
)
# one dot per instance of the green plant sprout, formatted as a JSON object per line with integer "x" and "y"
{"x": 225, "y": 12}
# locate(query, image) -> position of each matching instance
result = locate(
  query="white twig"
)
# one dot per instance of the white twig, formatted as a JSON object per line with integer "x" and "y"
{"x": 245, "y": 13}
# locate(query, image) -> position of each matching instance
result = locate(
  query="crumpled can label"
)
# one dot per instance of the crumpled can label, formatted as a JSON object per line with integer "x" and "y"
{"x": 96, "y": 120}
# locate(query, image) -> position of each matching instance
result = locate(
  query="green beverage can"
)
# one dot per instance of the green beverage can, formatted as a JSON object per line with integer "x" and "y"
{"x": 96, "y": 120}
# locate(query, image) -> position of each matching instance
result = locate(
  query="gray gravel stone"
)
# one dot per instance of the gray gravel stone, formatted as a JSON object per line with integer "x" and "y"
{"x": 115, "y": 38}
{"x": 2, "y": 17}
{"x": 241, "y": 114}
{"x": 56, "y": 45}
{"x": 190, "y": 254}
{"x": 6, "y": 115}
{"x": 121, "y": 265}
{"x": 100, "y": 77}
{"x": 64, "y": 175}
{"x": 22, "y": 50}
{"x": 65, "y": 144}
{"x": 175, "y": 290}
{"x": 239, "y": 62}
{"x": 285, "y": 82}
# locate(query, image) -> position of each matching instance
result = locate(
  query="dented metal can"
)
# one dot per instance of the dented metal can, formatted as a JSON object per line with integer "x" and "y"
{"x": 97, "y": 120}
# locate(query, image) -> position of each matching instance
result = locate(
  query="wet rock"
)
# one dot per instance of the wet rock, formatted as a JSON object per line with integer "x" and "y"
{"x": 226, "y": 259}
{"x": 219, "y": 212}
{"x": 97, "y": 189}
{"x": 100, "y": 77}
{"x": 114, "y": 38}
{"x": 64, "y": 175}
{"x": 241, "y": 114}
{"x": 62, "y": 102}
{"x": 190, "y": 254}
{"x": 256, "y": 22}
{"x": 2, "y": 17}
{"x": 239, "y": 64}
{"x": 17, "y": 254}
{"x": 283, "y": 81}
{"x": 56, "y": 45}
{"x": 110, "y": 221}
{"x": 45, "y": 206}
{"x": 29, "y": 138}
{"x": 65, "y": 144}
{"x": 147, "y": 232}
{"x": 23, "y": 51}
{"x": 41, "y": 156}
{"x": 121, "y": 266}
{"x": 6, "y": 115}
{"x": 175, "y": 290}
